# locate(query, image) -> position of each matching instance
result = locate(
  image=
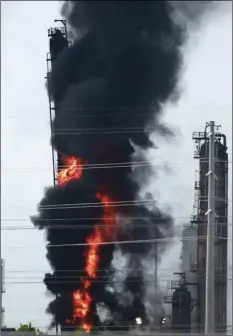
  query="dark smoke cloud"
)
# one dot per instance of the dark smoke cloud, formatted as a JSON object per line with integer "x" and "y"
{"x": 193, "y": 10}
{"x": 109, "y": 86}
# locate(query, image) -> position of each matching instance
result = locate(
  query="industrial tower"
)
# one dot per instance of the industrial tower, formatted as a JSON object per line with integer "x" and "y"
{"x": 221, "y": 225}
{"x": 58, "y": 41}
{"x": 189, "y": 313}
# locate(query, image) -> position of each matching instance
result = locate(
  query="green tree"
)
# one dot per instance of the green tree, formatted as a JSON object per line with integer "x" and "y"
{"x": 26, "y": 327}
{"x": 29, "y": 328}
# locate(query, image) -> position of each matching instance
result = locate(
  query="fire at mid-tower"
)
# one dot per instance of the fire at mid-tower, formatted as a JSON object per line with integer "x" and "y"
{"x": 221, "y": 232}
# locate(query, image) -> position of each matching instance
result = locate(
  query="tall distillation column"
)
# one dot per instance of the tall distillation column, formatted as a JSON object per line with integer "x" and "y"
{"x": 221, "y": 224}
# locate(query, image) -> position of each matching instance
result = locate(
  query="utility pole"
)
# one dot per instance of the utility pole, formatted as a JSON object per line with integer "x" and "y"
{"x": 1, "y": 300}
{"x": 210, "y": 241}
{"x": 155, "y": 278}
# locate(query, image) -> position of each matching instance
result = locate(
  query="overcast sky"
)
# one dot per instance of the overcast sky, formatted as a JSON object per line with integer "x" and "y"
{"x": 26, "y": 154}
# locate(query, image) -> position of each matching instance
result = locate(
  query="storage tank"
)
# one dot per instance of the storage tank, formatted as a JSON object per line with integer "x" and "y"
{"x": 181, "y": 310}
{"x": 189, "y": 267}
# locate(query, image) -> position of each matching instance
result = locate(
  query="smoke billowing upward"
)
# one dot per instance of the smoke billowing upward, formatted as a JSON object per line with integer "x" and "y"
{"x": 108, "y": 87}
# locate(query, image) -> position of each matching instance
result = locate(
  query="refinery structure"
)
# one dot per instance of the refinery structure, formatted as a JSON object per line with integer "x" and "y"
{"x": 187, "y": 297}
{"x": 221, "y": 225}
{"x": 192, "y": 284}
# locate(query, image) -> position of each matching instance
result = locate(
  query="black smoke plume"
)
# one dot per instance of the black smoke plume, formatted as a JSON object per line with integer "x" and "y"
{"x": 109, "y": 87}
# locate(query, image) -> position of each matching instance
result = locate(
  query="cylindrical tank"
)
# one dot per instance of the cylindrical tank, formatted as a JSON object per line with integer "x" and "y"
{"x": 189, "y": 267}
{"x": 181, "y": 310}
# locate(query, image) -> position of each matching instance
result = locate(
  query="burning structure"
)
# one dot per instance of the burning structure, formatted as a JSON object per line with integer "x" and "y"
{"x": 104, "y": 90}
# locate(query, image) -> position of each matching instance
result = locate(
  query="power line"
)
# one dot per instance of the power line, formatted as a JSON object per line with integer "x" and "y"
{"x": 146, "y": 163}
{"x": 111, "y": 203}
{"x": 80, "y": 227}
{"x": 128, "y": 132}
{"x": 199, "y": 219}
{"x": 115, "y": 203}
{"x": 84, "y": 206}
{"x": 69, "y": 277}
{"x": 76, "y": 282}
{"x": 142, "y": 241}
{"x": 118, "y": 108}
{"x": 99, "y": 270}
{"x": 96, "y": 131}
{"x": 99, "y": 218}
{"x": 121, "y": 242}
{"x": 146, "y": 333}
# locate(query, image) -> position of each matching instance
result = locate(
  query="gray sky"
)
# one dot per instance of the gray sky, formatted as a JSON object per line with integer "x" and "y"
{"x": 26, "y": 154}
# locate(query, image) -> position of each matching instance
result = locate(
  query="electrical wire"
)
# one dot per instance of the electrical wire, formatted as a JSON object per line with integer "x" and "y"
{"x": 198, "y": 222}
{"x": 121, "y": 242}
{"x": 107, "y": 279}
{"x": 166, "y": 330}
{"x": 128, "y": 132}
{"x": 99, "y": 270}
{"x": 96, "y": 205}
{"x": 83, "y": 226}
{"x": 189, "y": 218}
{"x": 76, "y": 282}
{"x": 132, "y": 279}
{"x": 117, "y": 204}
{"x": 96, "y": 131}
{"x": 118, "y": 108}
{"x": 112, "y": 203}
{"x": 145, "y": 332}
{"x": 104, "y": 165}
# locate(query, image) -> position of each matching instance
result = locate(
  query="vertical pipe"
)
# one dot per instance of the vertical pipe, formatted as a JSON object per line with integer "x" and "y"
{"x": 225, "y": 243}
{"x": 155, "y": 281}
{"x": 198, "y": 308}
{"x": 210, "y": 260}
{"x": 1, "y": 278}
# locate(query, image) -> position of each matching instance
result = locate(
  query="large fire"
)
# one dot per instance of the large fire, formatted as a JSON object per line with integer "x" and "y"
{"x": 102, "y": 232}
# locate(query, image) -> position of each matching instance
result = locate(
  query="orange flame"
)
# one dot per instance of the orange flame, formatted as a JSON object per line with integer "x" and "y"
{"x": 81, "y": 298}
{"x": 73, "y": 171}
